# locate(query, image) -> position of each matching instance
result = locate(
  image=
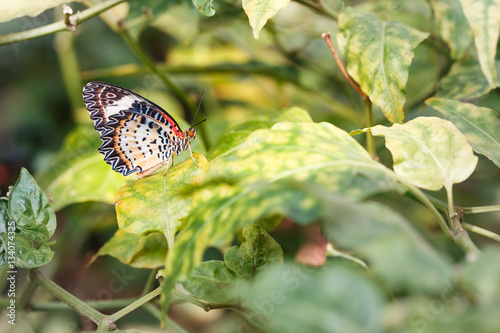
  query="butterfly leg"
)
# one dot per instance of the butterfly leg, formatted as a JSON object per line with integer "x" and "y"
{"x": 191, "y": 152}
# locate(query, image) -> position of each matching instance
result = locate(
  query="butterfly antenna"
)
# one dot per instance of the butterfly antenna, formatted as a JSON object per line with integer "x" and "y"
{"x": 198, "y": 109}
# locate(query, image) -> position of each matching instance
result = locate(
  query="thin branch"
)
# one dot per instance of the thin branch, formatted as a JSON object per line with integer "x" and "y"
{"x": 319, "y": 8}
{"x": 481, "y": 231}
{"x": 59, "y": 25}
{"x": 326, "y": 37}
{"x": 138, "y": 303}
{"x": 480, "y": 209}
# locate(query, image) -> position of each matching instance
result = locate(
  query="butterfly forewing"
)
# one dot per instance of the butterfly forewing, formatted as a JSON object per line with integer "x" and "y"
{"x": 104, "y": 100}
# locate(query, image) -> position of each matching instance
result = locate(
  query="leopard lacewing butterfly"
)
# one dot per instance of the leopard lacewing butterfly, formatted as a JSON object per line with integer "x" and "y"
{"x": 137, "y": 135}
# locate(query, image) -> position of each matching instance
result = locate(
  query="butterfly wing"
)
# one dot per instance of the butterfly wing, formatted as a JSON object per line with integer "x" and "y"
{"x": 135, "y": 142}
{"x": 104, "y": 100}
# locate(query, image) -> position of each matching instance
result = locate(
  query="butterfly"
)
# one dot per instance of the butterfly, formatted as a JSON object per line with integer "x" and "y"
{"x": 137, "y": 135}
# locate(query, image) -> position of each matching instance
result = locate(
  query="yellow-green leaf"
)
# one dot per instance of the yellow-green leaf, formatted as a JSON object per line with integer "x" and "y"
{"x": 237, "y": 133}
{"x": 78, "y": 173}
{"x": 484, "y": 19}
{"x": 480, "y": 125}
{"x": 378, "y": 56}
{"x": 259, "y": 11}
{"x": 257, "y": 250}
{"x": 465, "y": 81}
{"x": 19, "y": 8}
{"x": 211, "y": 281}
{"x": 429, "y": 152}
{"x": 452, "y": 26}
{"x": 135, "y": 250}
{"x": 140, "y": 205}
{"x": 264, "y": 176}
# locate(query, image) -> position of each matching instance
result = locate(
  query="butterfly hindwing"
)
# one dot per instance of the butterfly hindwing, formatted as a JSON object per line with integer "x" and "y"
{"x": 135, "y": 142}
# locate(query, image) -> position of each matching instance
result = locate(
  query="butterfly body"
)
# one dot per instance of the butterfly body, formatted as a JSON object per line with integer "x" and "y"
{"x": 137, "y": 135}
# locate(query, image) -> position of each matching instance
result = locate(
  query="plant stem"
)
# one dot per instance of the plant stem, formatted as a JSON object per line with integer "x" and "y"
{"x": 320, "y": 8}
{"x": 326, "y": 37}
{"x": 79, "y": 306}
{"x": 59, "y": 25}
{"x": 136, "y": 304}
{"x": 150, "y": 282}
{"x": 420, "y": 196}
{"x": 164, "y": 77}
{"x": 481, "y": 231}
{"x": 154, "y": 311}
{"x": 481, "y": 209}
{"x": 459, "y": 234}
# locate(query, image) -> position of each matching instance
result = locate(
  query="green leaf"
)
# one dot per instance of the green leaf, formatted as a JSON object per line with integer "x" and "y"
{"x": 263, "y": 176}
{"x": 484, "y": 19}
{"x": 452, "y": 26}
{"x": 378, "y": 56}
{"x": 4, "y": 223}
{"x": 135, "y": 250}
{"x": 30, "y": 209}
{"x": 291, "y": 298}
{"x": 256, "y": 252}
{"x": 211, "y": 281}
{"x": 483, "y": 277}
{"x": 4, "y": 215}
{"x": 429, "y": 152}
{"x": 20, "y": 8}
{"x": 464, "y": 81}
{"x": 140, "y": 205}
{"x": 206, "y": 7}
{"x": 480, "y": 125}
{"x": 259, "y": 11}
{"x": 237, "y": 134}
{"x": 26, "y": 255}
{"x": 79, "y": 173}
{"x": 386, "y": 240}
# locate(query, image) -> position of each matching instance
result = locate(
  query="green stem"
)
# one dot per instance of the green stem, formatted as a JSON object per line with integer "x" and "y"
{"x": 164, "y": 77}
{"x": 138, "y": 303}
{"x": 459, "y": 234}
{"x": 420, "y": 196}
{"x": 98, "y": 305}
{"x": 481, "y": 209}
{"x": 59, "y": 25}
{"x": 79, "y": 306}
{"x": 207, "y": 306}
{"x": 150, "y": 282}
{"x": 481, "y": 231}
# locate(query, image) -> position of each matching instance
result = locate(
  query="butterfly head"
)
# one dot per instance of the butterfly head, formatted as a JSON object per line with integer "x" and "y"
{"x": 191, "y": 133}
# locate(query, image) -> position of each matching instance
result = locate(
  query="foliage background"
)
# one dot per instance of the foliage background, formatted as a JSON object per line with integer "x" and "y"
{"x": 289, "y": 65}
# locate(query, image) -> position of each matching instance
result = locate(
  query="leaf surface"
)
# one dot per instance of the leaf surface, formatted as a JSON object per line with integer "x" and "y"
{"x": 452, "y": 26}
{"x": 29, "y": 208}
{"x": 259, "y": 11}
{"x": 480, "y": 125}
{"x": 78, "y": 173}
{"x": 135, "y": 250}
{"x": 484, "y": 19}
{"x": 429, "y": 152}
{"x": 257, "y": 250}
{"x": 379, "y": 55}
